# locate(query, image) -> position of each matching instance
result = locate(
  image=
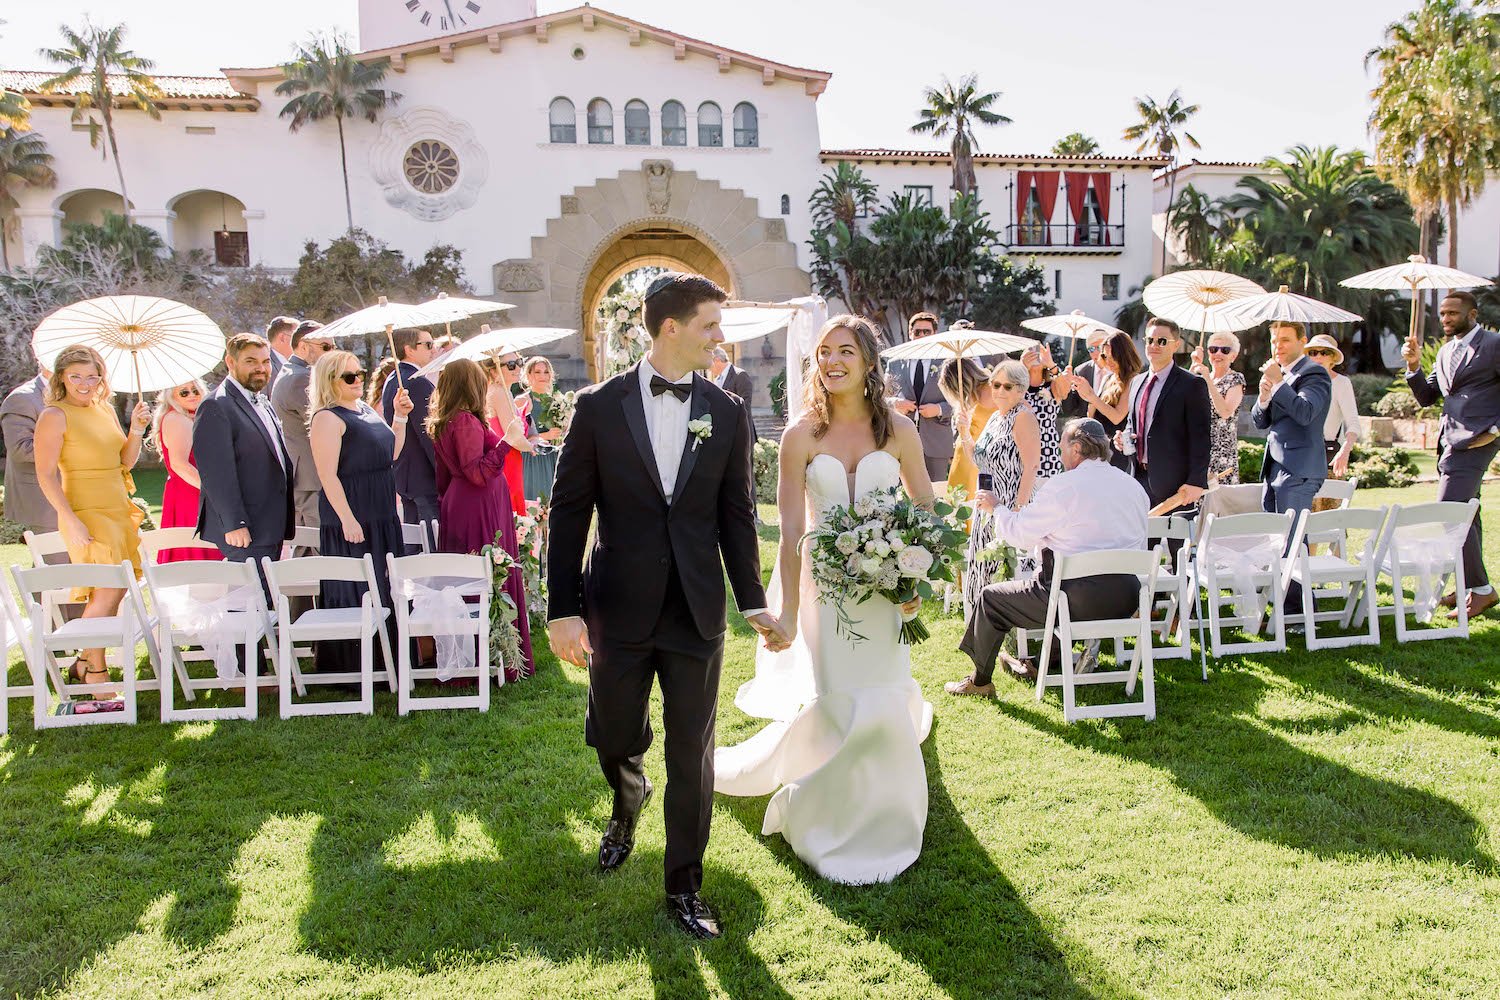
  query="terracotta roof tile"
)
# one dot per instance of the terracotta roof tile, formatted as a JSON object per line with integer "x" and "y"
{"x": 941, "y": 156}
{"x": 172, "y": 87}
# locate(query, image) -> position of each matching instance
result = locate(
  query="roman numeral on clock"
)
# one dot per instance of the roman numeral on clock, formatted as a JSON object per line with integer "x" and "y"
{"x": 425, "y": 18}
{"x": 443, "y": 23}
{"x": 413, "y": 4}
{"x": 472, "y": 6}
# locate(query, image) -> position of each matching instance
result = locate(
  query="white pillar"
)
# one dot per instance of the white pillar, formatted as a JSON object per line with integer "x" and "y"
{"x": 159, "y": 219}
{"x": 39, "y": 227}
{"x": 255, "y": 234}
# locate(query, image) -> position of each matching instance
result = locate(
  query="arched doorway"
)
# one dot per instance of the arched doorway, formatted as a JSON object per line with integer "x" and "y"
{"x": 89, "y": 206}
{"x": 212, "y": 222}
{"x": 624, "y": 268}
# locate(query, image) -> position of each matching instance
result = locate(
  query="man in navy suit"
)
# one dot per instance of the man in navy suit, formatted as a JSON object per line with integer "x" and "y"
{"x": 1295, "y": 392}
{"x": 416, "y": 468}
{"x": 245, "y": 506}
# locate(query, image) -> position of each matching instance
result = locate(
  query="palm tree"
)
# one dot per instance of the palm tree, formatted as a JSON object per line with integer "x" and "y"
{"x": 1076, "y": 144}
{"x": 1197, "y": 220}
{"x": 953, "y": 111}
{"x": 15, "y": 111}
{"x": 24, "y": 160}
{"x": 326, "y": 80}
{"x": 98, "y": 56}
{"x": 843, "y": 195}
{"x": 1157, "y": 130}
{"x": 1436, "y": 118}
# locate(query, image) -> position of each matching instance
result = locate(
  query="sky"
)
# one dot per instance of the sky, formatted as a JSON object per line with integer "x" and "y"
{"x": 1266, "y": 75}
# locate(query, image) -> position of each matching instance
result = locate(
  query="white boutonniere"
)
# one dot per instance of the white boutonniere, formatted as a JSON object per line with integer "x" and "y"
{"x": 701, "y": 429}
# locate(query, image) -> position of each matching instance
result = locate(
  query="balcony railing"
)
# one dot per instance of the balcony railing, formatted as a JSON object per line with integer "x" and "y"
{"x": 1064, "y": 236}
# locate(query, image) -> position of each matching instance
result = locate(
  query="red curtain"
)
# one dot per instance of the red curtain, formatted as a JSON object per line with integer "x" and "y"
{"x": 1078, "y": 189}
{"x": 1024, "y": 180}
{"x": 1101, "y": 191}
{"x": 1046, "y": 188}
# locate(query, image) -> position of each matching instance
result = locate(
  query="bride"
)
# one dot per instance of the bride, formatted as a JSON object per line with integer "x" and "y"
{"x": 846, "y": 769}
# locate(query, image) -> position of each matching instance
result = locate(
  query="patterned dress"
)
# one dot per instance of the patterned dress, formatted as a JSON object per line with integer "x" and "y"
{"x": 1224, "y": 456}
{"x": 997, "y": 456}
{"x": 1046, "y": 408}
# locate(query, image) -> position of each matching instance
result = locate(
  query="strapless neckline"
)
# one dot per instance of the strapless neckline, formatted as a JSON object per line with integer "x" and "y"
{"x": 851, "y": 477}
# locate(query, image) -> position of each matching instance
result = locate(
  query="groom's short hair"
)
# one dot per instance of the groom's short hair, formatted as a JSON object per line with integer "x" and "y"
{"x": 675, "y": 295}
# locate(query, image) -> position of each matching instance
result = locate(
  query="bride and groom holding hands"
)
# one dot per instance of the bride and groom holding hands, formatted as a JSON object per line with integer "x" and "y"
{"x": 662, "y": 456}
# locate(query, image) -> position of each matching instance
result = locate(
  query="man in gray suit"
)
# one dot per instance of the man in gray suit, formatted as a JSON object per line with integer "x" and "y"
{"x": 919, "y": 395}
{"x": 1467, "y": 379}
{"x": 289, "y": 403}
{"x": 24, "y": 503}
{"x": 734, "y": 380}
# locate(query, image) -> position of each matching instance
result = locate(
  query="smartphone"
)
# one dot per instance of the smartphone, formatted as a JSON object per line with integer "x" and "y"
{"x": 986, "y": 481}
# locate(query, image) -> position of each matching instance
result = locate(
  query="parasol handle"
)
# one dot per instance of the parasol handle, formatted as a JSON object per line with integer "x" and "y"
{"x": 135, "y": 362}
{"x": 391, "y": 340}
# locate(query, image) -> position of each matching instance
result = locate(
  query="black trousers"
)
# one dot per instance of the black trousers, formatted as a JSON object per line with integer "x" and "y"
{"x": 1023, "y": 604}
{"x": 618, "y": 726}
{"x": 1460, "y": 476}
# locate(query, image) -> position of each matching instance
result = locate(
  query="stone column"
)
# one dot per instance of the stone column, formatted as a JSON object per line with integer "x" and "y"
{"x": 39, "y": 227}
{"x": 255, "y": 234}
{"x": 158, "y": 219}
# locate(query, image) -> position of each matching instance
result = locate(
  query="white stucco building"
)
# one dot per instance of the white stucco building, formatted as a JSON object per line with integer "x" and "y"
{"x": 557, "y": 152}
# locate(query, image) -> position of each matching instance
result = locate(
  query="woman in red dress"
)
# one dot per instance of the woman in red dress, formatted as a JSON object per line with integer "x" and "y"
{"x": 175, "y": 411}
{"x": 510, "y": 420}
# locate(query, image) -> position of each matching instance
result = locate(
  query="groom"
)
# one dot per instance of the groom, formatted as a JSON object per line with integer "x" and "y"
{"x": 662, "y": 455}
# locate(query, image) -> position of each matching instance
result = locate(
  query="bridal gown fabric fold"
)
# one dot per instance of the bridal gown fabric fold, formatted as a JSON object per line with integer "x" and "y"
{"x": 843, "y": 755}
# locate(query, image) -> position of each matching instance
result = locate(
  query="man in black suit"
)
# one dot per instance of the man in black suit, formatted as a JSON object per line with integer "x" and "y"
{"x": 662, "y": 456}
{"x": 1466, "y": 377}
{"x": 919, "y": 395}
{"x": 1167, "y": 432}
{"x": 279, "y": 337}
{"x": 735, "y": 381}
{"x": 416, "y": 468}
{"x": 1075, "y": 406}
{"x": 245, "y": 506}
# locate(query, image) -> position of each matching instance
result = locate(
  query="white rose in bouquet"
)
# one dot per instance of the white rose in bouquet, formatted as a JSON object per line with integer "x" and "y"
{"x": 881, "y": 548}
{"x": 870, "y": 566}
{"x": 864, "y": 507}
{"x": 846, "y": 543}
{"x": 622, "y": 315}
{"x": 914, "y": 561}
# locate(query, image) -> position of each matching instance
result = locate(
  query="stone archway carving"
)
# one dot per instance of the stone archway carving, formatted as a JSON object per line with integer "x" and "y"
{"x": 598, "y": 227}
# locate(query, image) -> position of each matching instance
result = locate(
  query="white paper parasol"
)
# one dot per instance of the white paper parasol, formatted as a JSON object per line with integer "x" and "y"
{"x": 147, "y": 343}
{"x": 1280, "y": 306}
{"x": 1188, "y": 298}
{"x": 385, "y": 316}
{"x": 1074, "y": 325}
{"x": 958, "y": 342}
{"x": 459, "y": 307}
{"x": 493, "y": 343}
{"x": 1416, "y": 275}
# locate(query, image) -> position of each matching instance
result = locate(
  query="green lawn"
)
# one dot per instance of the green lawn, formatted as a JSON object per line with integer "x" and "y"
{"x": 1300, "y": 826}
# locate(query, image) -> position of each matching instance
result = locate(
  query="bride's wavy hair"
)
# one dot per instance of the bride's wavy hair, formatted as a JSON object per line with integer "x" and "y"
{"x": 815, "y": 394}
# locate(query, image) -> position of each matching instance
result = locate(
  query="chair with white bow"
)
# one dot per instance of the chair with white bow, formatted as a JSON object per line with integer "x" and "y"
{"x": 1424, "y": 543}
{"x": 364, "y": 624}
{"x": 120, "y": 632}
{"x": 218, "y": 607}
{"x": 1059, "y": 623}
{"x": 1345, "y": 572}
{"x": 1174, "y": 608}
{"x": 1244, "y": 554}
{"x": 447, "y": 597}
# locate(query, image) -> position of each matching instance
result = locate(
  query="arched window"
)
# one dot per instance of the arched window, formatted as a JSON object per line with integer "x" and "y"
{"x": 601, "y": 121}
{"x": 637, "y": 124}
{"x": 673, "y": 124}
{"x": 710, "y": 124}
{"x": 746, "y": 125}
{"x": 786, "y": 204}
{"x": 562, "y": 121}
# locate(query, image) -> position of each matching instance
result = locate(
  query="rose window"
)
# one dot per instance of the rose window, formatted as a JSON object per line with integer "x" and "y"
{"x": 431, "y": 166}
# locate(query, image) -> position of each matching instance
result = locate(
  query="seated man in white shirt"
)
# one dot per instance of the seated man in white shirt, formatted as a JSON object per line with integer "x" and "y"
{"x": 1090, "y": 507}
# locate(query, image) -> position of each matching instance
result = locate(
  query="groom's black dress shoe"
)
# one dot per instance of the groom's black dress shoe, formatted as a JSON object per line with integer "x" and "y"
{"x": 694, "y": 915}
{"x": 619, "y": 837}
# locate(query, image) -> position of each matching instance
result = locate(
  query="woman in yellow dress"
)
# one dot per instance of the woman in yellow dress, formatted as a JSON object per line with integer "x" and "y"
{"x": 83, "y": 463}
{"x": 976, "y": 400}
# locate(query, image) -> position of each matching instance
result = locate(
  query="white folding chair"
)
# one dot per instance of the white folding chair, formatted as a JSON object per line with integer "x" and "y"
{"x": 1341, "y": 491}
{"x": 152, "y": 542}
{"x": 15, "y": 628}
{"x": 1335, "y": 575}
{"x": 1424, "y": 542}
{"x": 1244, "y": 554}
{"x": 47, "y": 548}
{"x": 1176, "y": 596}
{"x": 429, "y": 592}
{"x": 363, "y": 623}
{"x": 305, "y": 537}
{"x": 1137, "y": 628}
{"x": 416, "y": 534}
{"x": 217, "y": 607}
{"x": 120, "y": 631}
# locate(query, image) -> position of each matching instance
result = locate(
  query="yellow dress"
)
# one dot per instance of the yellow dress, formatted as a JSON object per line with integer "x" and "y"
{"x": 963, "y": 472}
{"x": 98, "y": 488}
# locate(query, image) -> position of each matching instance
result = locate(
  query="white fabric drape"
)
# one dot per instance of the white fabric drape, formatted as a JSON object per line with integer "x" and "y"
{"x": 189, "y": 610}
{"x": 444, "y": 610}
{"x": 801, "y": 332}
{"x": 1242, "y": 557}
{"x": 1425, "y": 549}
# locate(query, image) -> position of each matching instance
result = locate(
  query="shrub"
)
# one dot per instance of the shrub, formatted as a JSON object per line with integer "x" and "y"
{"x": 1251, "y": 454}
{"x": 1401, "y": 405}
{"x": 1378, "y": 468}
{"x": 766, "y": 458}
{"x": 1368, "y": 391}
{"x": 777, "y": 389}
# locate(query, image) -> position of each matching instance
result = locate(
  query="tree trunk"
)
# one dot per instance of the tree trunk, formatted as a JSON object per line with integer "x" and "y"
{"x": 1452, "y": 230}
{"x": 344, "y": 161}
{"x": 114, "y": 152}
{"x": 1167, "y": 223}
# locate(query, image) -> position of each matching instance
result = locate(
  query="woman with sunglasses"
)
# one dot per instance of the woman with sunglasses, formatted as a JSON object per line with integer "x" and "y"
{"x": 176, "y": 409}
{"x": 1226, "y": 390}
{"x": 966, "y": 386}
{"x": 1120, "y": 362}
{"x": 1341, "y": 426}
{"x": 509, "y": 419}
{"x": 540, "y": 466}
{"x": 353, "y": 450}
{"x": 83, "y": 463}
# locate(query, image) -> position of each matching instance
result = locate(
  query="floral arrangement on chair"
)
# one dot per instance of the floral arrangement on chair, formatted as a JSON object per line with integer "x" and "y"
{"x": 505, "y": 636}
{"x": 531, "y": 543}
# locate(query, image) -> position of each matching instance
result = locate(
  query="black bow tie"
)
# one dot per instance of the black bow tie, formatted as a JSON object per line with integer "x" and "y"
{"x": 682, "y": 390}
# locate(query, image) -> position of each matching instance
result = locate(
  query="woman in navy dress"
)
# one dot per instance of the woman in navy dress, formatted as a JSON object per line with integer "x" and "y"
{"x": 353, "y": 450}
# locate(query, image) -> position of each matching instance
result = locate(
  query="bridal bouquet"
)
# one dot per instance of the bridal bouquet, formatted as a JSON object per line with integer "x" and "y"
{"x": 885, "y": 544}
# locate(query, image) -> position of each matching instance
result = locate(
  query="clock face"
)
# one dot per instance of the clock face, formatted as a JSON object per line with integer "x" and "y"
{"x": 445, "y": 15}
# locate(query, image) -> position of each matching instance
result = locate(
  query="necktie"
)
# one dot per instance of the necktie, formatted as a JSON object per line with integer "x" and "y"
{"x": 918, "y": 382}
{"x": 682, "y": 390}
{"x": 1142, "y": 409}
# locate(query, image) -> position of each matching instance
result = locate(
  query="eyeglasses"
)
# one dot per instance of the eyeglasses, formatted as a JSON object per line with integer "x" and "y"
{"x": 1220, "y": 349}
{"x": 322, "y": 345}
{"x": 424, "y": 343}
{"x": 1004, "y": 386}
{"x": 511, "y": 365}
{"x": 352, "y": 377}
{"x": 191, "y": 390}
{"x": 1319, "y": 352}
{"x": 1096, "y": 349}
{"x": 88, "y": 381}
{"x": 1158, "y": 341}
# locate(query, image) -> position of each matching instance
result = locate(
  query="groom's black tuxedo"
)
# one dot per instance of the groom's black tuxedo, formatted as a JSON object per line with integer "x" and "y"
{"x": 652, "y": 592}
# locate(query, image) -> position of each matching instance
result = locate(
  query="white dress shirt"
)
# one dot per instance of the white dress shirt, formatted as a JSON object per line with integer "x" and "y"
{"x": 1088, "y": 508}
{"x": 262, "y": 407}
{"x": 666, "y": 425}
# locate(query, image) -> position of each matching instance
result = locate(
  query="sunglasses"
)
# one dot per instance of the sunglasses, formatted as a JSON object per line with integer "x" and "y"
{"x": 88, "y": 380}
{"x": 1220, "y": 349}
{"x": 191, "y": 390}
{"x": 352, "y": 377}
{"x": 1158, "y": 341}
{"x": 511, "y": 365}
{"x": 1319, "y": 352}
{"x": 322, "y": 345}
{"x": 1096, "y": 349}
{"x": 1004, "y": 386}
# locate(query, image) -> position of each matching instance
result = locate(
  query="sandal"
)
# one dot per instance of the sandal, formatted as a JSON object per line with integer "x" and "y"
{"x": 96, "y": 672}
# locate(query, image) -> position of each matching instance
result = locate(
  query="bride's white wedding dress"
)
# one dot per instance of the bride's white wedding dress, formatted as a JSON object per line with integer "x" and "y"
{"x": 850, "y": 785}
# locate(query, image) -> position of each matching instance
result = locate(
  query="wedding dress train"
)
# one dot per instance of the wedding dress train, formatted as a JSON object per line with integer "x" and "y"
{"x": 846, "y": 767}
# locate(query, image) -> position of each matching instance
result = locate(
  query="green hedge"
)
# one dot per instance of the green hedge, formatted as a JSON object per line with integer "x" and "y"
{"x": 1376, "y": 468}
{"x": 766, "y": 461}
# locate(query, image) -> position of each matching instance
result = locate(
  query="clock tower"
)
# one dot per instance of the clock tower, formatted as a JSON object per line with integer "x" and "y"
{"x": 384, "y": 23}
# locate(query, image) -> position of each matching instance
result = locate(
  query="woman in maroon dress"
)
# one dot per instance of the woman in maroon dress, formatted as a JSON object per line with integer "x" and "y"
{"x": 175, "y": 410}
{"x": 474, "y": 495}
